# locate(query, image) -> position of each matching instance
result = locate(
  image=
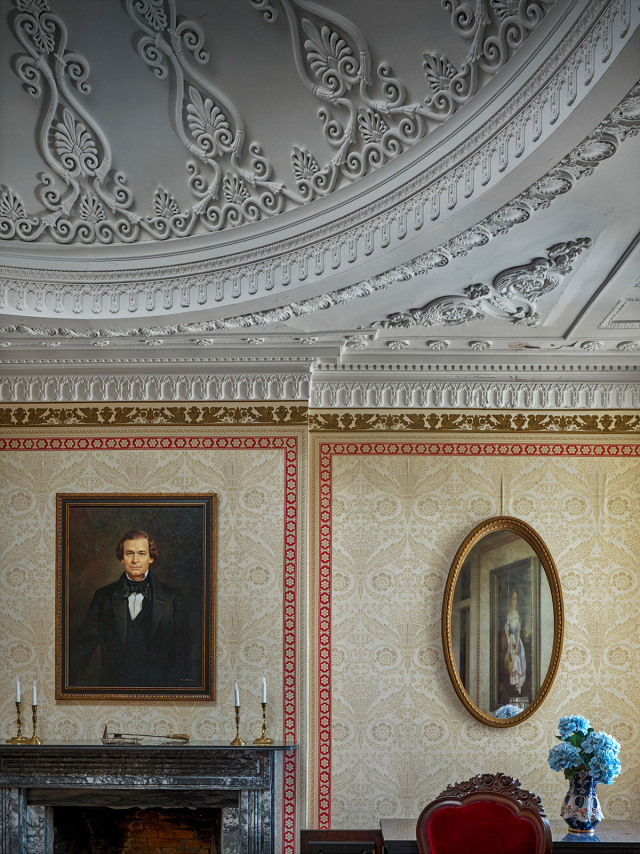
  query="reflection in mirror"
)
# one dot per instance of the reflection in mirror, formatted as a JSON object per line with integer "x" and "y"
{"x": 502, "y": 621}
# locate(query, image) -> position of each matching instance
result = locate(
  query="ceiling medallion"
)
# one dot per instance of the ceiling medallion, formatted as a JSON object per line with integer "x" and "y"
{"x": 232, "y": 183}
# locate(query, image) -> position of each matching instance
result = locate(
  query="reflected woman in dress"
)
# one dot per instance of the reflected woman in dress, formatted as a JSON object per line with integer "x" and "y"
{"x": 515, "y": 661}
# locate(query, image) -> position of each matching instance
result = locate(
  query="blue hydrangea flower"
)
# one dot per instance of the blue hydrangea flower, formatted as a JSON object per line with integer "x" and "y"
{"x": 604, "y": 770}
{"x": 601, "y": 745}
{"x": 564, "y": 755}
{"x": 508, "y": 711}
{"x": 572, "y": 723}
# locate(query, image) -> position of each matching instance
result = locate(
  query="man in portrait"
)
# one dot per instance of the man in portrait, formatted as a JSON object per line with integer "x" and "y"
{"x": 136, "y": 632}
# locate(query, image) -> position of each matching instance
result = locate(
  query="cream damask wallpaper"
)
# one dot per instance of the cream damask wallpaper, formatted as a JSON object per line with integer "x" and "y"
{"x": 250, "y": 488}
{"x": 393, "y": 522}
{"x": 364, "y": 692}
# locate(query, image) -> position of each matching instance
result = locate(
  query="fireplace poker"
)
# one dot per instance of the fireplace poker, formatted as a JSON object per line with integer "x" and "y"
{"x": 120, "y": 736}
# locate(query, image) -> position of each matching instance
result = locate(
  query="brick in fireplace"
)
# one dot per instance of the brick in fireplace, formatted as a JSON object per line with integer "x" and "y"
{"x": 102, "y": 830}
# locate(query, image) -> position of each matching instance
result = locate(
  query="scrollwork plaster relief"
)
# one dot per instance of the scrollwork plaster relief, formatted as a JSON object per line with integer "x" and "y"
{"x": 17, "y": 292}
{"x": 512, "y": 295}
{"x": 514, "y": 130}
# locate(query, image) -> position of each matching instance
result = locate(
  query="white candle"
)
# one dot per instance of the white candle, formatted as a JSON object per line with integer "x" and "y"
{"x": 17, "y": 689}
{"x": 264, "y": 690}
{"x": 35, "y": 694}
{"x": 236, "y": 696}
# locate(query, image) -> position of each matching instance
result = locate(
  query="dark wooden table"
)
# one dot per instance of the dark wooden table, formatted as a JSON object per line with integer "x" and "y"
{"x": 611, "y": 837}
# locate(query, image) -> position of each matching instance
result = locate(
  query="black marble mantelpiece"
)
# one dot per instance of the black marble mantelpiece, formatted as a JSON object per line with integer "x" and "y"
{"x": 240, "y": 780}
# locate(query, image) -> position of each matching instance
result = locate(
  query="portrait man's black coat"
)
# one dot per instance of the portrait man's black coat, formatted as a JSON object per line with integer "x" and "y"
{"x": 162, "y": 645}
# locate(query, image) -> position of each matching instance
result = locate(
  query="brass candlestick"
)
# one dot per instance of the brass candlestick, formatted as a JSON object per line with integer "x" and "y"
{"x": 34, "y": 715}
{"x": 237, "y": 741}
{"x": 264, "y": 738}
{"x": 19, "y": 738}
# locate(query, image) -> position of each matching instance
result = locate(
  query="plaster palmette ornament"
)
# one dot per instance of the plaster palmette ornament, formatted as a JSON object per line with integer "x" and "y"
{"x": 72, "y": 143}
{"x": 512, "y": 295}
{"x": 628, "y": 346}
{"x": 377, "y": 122}
{"x": 438, "y": 344}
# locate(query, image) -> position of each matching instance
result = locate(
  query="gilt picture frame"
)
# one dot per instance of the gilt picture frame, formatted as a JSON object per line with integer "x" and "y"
{"x": 159, "y": 643}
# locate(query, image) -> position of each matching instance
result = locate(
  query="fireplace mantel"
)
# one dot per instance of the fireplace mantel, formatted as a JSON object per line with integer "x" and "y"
{"x": 240, "y": 780}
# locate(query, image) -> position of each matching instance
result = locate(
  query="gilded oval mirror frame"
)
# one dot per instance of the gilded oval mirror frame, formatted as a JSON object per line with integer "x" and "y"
{"x": 500, "y": 651}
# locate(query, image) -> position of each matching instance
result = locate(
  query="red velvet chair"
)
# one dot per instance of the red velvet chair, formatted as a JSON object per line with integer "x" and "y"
{"x": 489, "y": 814}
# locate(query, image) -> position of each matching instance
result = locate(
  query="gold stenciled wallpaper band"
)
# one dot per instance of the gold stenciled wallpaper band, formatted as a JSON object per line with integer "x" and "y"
{"x": 317, "y": 420}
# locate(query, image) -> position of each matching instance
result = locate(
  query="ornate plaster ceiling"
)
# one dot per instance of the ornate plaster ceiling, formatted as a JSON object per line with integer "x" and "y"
{"x": 275, "y": 198}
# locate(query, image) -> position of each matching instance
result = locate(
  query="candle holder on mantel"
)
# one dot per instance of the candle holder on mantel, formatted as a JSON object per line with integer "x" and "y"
{"x": 19, "y": 738}
{"x": 34, "y": 716}
{"x": 263, "y": 738}
{"x": 237, "y": 741}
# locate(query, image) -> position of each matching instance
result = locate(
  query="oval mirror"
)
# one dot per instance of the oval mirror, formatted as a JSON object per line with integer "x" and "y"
{"x": 502, "y": 621}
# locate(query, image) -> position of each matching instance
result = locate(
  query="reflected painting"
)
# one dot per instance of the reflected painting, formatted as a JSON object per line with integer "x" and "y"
{"x": 502, "y": 621}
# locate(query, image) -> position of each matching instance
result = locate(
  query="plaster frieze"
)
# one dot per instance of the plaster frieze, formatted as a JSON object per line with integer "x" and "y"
{"x": 354, "y": 386}
{"x": 157, "y": 386}
{"x": 470, "y": 393}
{"x": 493, "y": 149}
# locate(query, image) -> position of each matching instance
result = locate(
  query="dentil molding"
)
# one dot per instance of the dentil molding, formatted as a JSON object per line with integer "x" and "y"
{"x": 478, "y": 161}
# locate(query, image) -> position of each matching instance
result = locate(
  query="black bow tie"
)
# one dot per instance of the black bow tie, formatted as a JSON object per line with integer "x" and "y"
{"x": 139, "y": 587}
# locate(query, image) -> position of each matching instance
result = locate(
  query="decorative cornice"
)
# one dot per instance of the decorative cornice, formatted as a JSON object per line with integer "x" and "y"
{"x": 435, "y": 386}
{"x": 186, "y": 415}
{"x": 481, "y": 421}
{"x": 510, "y": 135}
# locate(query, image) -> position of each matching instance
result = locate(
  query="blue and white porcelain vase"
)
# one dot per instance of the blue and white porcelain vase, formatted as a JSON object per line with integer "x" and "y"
{"x": 580, "y": 808}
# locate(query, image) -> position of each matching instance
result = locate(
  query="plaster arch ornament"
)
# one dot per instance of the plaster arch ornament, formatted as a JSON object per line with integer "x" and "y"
{"x": 512, "y": 295}
{"x": 97, "y": 206}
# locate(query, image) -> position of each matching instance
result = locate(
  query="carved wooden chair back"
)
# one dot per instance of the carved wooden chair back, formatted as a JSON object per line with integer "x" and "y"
{"x": 488, "y": 814}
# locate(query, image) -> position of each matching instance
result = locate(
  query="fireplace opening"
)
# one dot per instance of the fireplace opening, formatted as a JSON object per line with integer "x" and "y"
{"x": 136, "y": 830}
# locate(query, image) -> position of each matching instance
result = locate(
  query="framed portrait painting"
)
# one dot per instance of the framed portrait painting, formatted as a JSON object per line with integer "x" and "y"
{"x": 135, "y": 596}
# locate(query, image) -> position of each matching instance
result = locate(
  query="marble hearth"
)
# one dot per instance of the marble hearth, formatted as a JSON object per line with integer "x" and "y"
{"x": 240, "y": 781}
